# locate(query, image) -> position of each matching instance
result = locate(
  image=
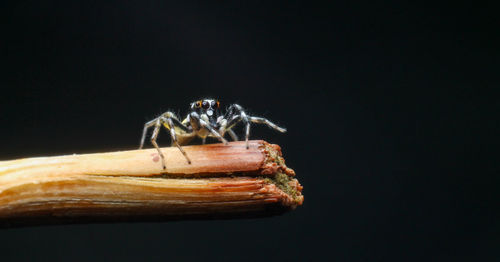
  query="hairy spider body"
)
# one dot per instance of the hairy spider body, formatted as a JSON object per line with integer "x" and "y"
{"x": 204, "y": 120}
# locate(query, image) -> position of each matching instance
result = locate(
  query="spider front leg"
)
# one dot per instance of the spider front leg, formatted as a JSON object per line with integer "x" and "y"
{"x": 197, "y": 123}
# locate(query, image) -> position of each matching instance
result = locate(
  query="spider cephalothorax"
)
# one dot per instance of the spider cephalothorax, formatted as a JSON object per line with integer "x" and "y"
{"x": 204, "y": 120}
{"x": 208, "y": 107}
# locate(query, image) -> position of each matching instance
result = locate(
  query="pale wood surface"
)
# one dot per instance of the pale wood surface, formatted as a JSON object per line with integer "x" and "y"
{"x": 222, "y": 181}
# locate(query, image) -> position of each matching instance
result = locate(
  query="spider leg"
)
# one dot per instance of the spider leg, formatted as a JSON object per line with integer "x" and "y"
{"x": 157, "y": 125}
{"x": 169, "y": 121}
{"x": 197, "y": 122}
{"x": 242, "y": 116}
{"x": 261, "y": 120}
{"x": 169, "y": 124}
{"x": 235, "y": 120}
{"x": 232, "y": 134}
{"x": 247, "y": 131}
{"x": 223, "y": 128}
{"x": 153, "y": 122}
{"x": 173, "y": 118}
{"x": 145, "y": 130}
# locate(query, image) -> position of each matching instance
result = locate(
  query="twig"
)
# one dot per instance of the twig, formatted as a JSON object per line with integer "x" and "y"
{"x": 222, "y": 182}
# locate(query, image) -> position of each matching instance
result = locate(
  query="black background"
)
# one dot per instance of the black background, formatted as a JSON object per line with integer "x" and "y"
{"x": 389, "y": 107}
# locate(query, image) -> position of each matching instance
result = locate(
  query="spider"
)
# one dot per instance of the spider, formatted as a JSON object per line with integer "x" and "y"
{"x": 204, "y": 120}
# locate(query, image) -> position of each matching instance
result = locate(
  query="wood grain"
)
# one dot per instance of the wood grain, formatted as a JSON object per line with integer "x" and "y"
{"x": 223, "y": 181}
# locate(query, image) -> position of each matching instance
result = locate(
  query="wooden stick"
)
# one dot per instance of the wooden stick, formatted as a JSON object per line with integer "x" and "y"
{"x": 221, "y": 182}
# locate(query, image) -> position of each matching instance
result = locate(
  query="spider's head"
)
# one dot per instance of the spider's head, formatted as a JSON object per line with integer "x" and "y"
{"x": 206, "y": 106}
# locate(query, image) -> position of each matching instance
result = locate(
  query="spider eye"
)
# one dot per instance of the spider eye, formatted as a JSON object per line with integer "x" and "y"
{"x": 206, "y": 104}
{"x": 198, "y": 104}
{"x": 217, "y": 104}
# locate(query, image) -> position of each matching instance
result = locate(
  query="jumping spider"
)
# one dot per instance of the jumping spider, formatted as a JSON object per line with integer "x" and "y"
{"x": 204, "y": 120}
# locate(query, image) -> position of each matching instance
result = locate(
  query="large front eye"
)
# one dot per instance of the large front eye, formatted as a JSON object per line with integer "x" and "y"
{"x": 198, "y": 104}
{"x": 206, "y": 104}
